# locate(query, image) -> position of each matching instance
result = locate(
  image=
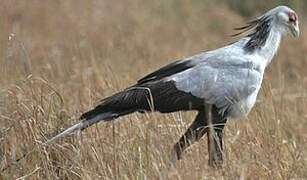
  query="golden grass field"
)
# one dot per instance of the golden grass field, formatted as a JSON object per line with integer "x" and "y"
{"x": 59, "y": 58}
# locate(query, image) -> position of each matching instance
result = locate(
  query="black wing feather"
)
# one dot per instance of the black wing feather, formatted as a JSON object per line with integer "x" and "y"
{"x": 167, "y": 70}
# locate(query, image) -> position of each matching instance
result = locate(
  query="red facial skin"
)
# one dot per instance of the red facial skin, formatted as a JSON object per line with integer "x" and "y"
{"x": 292, "y": 17}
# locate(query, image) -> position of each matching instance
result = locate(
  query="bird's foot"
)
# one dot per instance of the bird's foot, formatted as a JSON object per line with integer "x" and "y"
{"x": 173, "y": 158}
{"x": 216, "y": 160}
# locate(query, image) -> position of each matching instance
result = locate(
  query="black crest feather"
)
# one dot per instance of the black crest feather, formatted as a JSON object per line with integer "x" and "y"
{"x": 259, "y": 30}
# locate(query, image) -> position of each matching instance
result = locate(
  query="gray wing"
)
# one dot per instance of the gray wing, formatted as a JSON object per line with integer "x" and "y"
{"x": 174, "y": 68}
{"x": 219, "y": 81}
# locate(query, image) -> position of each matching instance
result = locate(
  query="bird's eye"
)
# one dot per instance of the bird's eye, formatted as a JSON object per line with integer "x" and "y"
{"x": 292, "y": 17}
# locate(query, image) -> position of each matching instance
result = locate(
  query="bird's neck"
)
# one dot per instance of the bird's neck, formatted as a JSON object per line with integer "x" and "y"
{"x": 271, "y": 46}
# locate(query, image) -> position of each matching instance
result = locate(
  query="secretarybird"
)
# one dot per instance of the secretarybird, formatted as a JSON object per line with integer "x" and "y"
{"x": 219, "y": 84}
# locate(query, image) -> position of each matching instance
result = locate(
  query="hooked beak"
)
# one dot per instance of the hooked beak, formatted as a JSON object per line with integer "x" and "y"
{"x": 294, "y": 30}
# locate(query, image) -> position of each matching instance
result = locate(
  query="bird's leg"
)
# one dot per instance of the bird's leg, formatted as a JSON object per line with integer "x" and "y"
{"x": 215, "y": 148}
{"x": 196, "y": 130}
{"x": 215, "y": 139}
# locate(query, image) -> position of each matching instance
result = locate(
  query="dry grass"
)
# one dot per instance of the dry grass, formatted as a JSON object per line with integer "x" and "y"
{"x": 63, "y": 56}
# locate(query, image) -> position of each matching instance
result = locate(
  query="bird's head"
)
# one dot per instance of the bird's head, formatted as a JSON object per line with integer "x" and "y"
{"x": 286, "y": 19}
{"x": 281, "y": 19}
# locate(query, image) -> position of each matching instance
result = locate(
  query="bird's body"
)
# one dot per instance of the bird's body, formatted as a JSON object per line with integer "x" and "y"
{"x": 227, "y": 80}
{"x": 227, "y": 77}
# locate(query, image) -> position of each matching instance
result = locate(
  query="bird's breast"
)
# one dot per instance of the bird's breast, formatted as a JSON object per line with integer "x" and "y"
{"x": 242, "y": 108}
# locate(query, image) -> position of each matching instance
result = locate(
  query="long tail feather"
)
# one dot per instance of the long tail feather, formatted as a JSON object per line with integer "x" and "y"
{"x": 85, "y": 123}
{"x": 67, "y": 132}
{"x": 81, "y": 126}
{"x": 119, "y": 104}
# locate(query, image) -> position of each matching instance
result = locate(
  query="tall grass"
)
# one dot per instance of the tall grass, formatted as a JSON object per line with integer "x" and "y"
{"x": 65, "y": 56}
